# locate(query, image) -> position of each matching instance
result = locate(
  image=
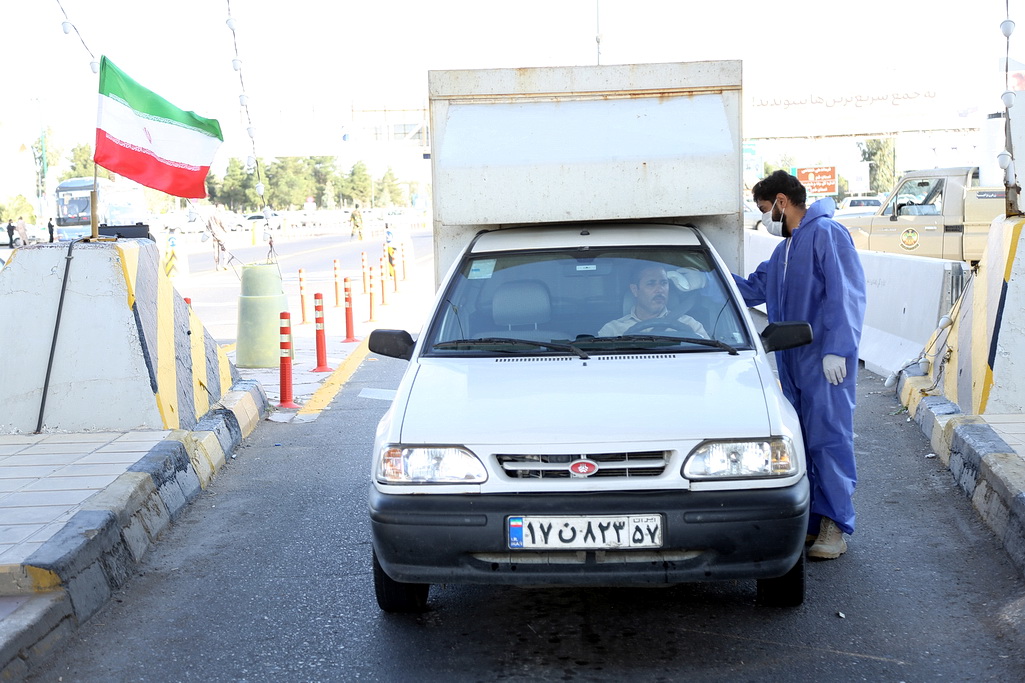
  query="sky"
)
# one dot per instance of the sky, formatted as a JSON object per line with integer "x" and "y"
{"x": 810, "y": 68}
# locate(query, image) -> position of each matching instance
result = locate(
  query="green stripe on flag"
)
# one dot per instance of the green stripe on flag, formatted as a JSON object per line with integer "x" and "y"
{"x": 118, "y": 85}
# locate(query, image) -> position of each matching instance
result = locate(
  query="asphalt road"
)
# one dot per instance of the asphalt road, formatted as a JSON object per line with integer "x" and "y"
{"x": 267, "y": 577}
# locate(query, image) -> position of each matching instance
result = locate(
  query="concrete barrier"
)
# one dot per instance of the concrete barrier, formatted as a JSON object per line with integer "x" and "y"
{"x": 906, "y": 297}
{"x": 129, "y": 352}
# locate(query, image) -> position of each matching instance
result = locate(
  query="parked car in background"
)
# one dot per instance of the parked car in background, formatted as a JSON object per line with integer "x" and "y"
{"x": 271, "y": 220}
{"x": 752, "y": 216}
{"x": 858, "y": 204}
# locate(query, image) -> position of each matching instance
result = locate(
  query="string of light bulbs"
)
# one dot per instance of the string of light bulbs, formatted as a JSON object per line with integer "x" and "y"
{"x": 68, "y": 26}
{"x": 243, "y": 100}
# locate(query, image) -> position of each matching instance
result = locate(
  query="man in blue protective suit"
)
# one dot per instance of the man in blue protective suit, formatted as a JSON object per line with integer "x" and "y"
{"x": 815, "y": 275}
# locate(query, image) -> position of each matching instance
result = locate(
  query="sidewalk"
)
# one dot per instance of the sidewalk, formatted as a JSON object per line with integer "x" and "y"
{"x": 79, "y": 511}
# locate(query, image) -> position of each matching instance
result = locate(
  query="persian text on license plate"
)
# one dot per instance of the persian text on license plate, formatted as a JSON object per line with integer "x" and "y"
{"x": 590, "y": 532}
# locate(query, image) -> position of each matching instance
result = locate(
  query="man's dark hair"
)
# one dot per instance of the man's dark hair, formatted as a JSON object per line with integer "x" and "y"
{"x": 778, "y": 182}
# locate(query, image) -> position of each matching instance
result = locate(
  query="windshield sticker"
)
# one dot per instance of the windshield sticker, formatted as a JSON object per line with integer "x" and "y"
{"x": 589, "y": 267}
{"x": 482, "y": 269}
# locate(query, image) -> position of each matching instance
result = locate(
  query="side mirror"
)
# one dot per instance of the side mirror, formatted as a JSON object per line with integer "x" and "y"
{"x": 784, "y": 335}
{"x": 393, "y": 343}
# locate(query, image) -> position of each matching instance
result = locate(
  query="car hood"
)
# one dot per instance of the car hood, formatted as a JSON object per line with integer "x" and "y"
{"x": 551, "y": 400}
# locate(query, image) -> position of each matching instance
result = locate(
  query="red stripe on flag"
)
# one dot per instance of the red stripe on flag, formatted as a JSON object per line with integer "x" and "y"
{"x": 147, "y": 169}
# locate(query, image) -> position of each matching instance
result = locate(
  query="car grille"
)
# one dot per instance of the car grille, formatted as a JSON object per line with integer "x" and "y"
{"x": 639, "y": 464}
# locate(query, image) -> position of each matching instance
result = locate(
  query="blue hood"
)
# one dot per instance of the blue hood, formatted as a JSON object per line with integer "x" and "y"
{"x": 823, "y": 208}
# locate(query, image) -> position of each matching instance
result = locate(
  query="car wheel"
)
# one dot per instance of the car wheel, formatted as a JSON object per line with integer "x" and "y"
{"x": 397, "y": 597}
{"x": 786, "y": 590}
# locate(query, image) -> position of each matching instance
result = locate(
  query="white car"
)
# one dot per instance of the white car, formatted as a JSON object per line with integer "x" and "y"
{"x": 540, "y": 436}
{"x": 271, "y": 220}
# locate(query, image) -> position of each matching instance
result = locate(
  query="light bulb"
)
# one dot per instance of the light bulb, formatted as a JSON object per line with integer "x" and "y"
{"x": 236, "y": 64}
{"x": 243, "y": 99}
{"x": 251, "y": 132}
{"x": 890, "y": 380}
{"x": 66, "y": 26}
{"x": 231, "y": 23}
{"x": 259, "y": 189}
{"x": 945, "y": 322}
{"x": 1007, "y": 27}
{"x": 924, "y": 365}
{"x": 251, "y": 161}
{"x": 1008, "y": 98}
{"x": 95, "y": 66}
{"x": 1004, "y": 159}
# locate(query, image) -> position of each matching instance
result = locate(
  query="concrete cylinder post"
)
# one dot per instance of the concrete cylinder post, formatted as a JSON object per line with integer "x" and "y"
{"x": 321, "y": 336}
{"x": 350, "y": 331}
{"x": 261, "y": 301}
{"x": 285, "y": 362}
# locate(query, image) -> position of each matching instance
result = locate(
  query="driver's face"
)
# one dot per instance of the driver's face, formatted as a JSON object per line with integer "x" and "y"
{"x": 651, "y": 292}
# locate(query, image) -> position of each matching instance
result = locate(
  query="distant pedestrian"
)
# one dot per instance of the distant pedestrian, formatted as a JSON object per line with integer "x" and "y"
{"x": 389, "y": 248}
{"x": 10, "y": 233}
{"x": 356, "y": 219}
{"x": 22, "y": 232}
{"x": 49, "y": 226}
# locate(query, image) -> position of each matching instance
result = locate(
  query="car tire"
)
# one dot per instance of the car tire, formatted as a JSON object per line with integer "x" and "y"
{"x": 786, "y": 590}
{"x": 397, "y": 597}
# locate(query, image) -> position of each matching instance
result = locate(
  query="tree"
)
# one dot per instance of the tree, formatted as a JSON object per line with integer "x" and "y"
{"x": 17, "y": 207}
{"x": 360, "y": 184}
{"x": 388, "y": 191}
{"x": 290, "y": 182}
{"x": 82, "y": 164}
{"x": 235, "y": 187}
{"x": 880, "y": 154}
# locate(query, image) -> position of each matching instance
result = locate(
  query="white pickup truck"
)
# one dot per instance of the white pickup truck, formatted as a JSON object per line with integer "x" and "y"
{"x": 589, "y": 402}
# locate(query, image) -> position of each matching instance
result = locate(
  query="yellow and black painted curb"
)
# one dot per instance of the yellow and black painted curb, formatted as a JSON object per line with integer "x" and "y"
{"x": 73, "y": 574}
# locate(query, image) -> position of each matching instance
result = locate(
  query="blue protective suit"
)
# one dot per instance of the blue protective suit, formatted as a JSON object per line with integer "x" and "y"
{"x": 816, "y": 276}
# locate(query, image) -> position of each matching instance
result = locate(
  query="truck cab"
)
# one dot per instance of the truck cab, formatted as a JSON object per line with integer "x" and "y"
{"x": 940, "y": 213}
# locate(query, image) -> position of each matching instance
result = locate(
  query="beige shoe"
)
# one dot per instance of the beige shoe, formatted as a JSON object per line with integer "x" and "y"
{"x": 830, "y": 543}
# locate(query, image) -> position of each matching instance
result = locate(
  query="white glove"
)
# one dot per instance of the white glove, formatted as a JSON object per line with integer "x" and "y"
{"x": 835, "y": 368}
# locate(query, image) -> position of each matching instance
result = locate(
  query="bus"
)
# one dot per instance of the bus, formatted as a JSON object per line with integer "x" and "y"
{"x": 118, "y": 203}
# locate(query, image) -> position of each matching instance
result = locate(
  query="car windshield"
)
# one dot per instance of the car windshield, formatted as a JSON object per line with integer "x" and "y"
{"x": 602, "y": 301}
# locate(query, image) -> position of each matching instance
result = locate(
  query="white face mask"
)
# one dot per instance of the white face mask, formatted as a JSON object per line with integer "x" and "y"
{"x": 774, "y": 227}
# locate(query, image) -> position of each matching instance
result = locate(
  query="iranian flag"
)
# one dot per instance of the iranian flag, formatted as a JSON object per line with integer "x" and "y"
{"x": 142, "y": 136}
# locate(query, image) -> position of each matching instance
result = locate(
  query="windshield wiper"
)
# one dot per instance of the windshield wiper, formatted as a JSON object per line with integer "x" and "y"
{"x": 510, "y": 341}
{"x": 663, "y": 338}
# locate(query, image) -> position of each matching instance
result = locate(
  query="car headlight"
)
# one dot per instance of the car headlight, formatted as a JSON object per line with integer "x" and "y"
{"x": 774, "y": 457}
{"x": 429, "y": 465}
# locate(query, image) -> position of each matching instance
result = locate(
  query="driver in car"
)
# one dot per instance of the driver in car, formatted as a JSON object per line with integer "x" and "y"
{"x": 650, "y": 288}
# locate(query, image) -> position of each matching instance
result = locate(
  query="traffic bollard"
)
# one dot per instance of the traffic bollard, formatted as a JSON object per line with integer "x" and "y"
{"x": 285, "y": 375}
{"x": 350, "y": 332}
{"x": 302, "y": 296}
{"x": 318, "y": 316}
{"x": 338, "y": 298}
{"x": 384, "y": 297}
{"x": 364, "y": 267}
{"x": 402, "y": 258}
{"x": 372, "y": 318}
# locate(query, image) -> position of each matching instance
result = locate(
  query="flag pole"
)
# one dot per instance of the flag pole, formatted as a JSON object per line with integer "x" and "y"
{"x": 93, "y": 195}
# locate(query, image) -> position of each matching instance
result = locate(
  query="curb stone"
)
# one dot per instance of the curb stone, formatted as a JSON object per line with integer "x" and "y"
{"x": 73, "y": 574}
{"x": 983, "y": 465}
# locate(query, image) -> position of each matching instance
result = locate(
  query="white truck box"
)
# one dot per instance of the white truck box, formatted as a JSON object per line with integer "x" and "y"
{"x": 558, "y": 144}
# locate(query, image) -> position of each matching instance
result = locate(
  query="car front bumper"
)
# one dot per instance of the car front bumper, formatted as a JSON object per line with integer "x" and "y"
{"x": 714, "y": 535}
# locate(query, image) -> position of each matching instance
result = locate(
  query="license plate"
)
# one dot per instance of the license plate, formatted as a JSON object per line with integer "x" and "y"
{"x": 591, "y": 532}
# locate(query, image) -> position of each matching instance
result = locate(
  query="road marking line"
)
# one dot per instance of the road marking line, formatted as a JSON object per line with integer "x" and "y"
{"x": 333, "y": 384}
